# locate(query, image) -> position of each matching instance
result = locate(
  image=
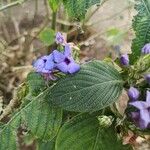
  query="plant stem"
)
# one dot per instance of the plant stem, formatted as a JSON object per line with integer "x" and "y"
{"x": 54, "y": 16}
{"x": 36, "y": 9}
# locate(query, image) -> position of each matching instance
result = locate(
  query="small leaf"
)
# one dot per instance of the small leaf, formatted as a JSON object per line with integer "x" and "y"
{"x": 47, "y": 36}
{"x": 54, "y": 4}
{"x": 96, "y": 86}
{"x": 77, "y": 9}
{"x": 84, "y": 133}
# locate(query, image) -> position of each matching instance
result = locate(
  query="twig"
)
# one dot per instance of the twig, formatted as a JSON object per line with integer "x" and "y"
{"x": 21, "y": 68}
{"x": 36, "y": 9}
{"x": 5, "y": 31}
{"x": 12, "y": 4}
{"x": 47, "y": 9}
{"x": 10, "y": 106}
{"x": 16, "y": 27}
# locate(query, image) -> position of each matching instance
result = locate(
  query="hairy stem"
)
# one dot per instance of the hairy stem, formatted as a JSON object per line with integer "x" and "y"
{"x": 54, "y": 16}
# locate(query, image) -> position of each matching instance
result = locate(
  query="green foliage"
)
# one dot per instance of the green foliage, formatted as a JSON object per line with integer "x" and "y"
{"x": 96, "y": 86}
{"x": 41, "y": 119}
{"x": 50, "y": 145}
{"x": 54, "y": 4}
{"x": 47, "y": 36}
{"x": 141, "y": 26}
{"x": 8, "y": 134}
{"x": 77, "y": 8}
{"x": 84, "y": 133}
{"x": 36, "y": 83}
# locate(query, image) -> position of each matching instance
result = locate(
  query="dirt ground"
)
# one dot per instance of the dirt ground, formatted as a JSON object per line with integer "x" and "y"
{"x": 114, "y": 14}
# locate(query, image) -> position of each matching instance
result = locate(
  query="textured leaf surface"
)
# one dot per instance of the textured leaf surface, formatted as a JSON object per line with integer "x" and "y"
{"x": 141, "y": 26}
{"x": 96, "y": 86}
{"x": 49, "y": 145}
{"x": 47, "y": 36}
{"x": 36, "y": 83}
{"x": 84, "y": 133}
{"x": 8, "y": 134}
{"x": 77, "y": 8}
{"x": 42, "y": 120}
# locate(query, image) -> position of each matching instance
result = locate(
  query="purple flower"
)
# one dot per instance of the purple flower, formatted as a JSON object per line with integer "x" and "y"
{"x": 137, "y": 120}
{"x": 146, "y": 49}
{"x": 59, "y": 38}
{"x": 124, "y": 59}
{"x": 147, "y": 78}
{"x": 133, "y": 93}
{"x": 65, "y": 62}
{"x": 144, "y": 111}
{"x": 44, "y": 64}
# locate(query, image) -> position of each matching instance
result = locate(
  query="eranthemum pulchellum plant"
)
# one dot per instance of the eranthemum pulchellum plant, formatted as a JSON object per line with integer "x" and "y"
{"x": 65, "y": 105}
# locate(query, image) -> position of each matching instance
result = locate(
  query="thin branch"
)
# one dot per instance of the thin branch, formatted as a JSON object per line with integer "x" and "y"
{"x": 10, "y": 106}
{"x": 12, "y": 4}
{"x": 16, "y": 27}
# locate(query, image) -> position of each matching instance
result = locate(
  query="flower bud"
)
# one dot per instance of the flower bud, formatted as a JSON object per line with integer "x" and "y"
{"x": 146, "y": 49}
{"x": 59, "y": 38}
{"x": 105, "y": 121}
{"x": 147, "y": 78}
{"x": 124, "y": 59}
{"x": 133, "y": 93}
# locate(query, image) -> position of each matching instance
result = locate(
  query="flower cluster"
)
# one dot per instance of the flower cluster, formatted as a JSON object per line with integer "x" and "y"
{"x": 62, "y": 61}
{"x": 124, "y": 59}
{"x": 141, "y": 116}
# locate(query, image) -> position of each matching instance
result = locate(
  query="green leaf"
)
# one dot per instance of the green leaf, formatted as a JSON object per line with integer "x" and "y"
{"x": 41, "y": 119}
{"x": 36, "y": 83}
{"x": 8, "y": 134}
{"x": 47, "y": 36}
{"x": 96, "y": 86}
{"x": 54, "y": 4}
{"x": 49, "y": 145}
{"x": 141, "y": 26}
{"x": 77, "y": 8}
{"x": 84, "y": 133}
